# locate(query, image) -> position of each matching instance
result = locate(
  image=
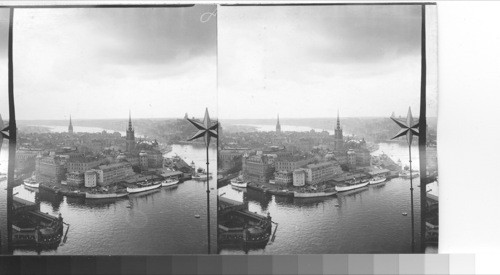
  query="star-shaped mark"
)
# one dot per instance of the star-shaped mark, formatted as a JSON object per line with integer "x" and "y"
{"x": 4, "y": 131}
{"x": 205, "y": 129}
{"x": 408, "y": 127}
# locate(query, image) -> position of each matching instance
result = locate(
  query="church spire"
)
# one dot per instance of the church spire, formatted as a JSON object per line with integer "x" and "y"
{"x": 129, "y": 121}
{"x": 278, "y": 126}
{"x": 130, "y": 135}
{"x": 338, "y": 120}
{"x": 70, "y": 127}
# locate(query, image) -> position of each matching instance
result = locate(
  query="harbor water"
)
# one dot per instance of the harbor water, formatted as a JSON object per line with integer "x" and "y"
{"x": 366, "y": 220}
{"x": 162, "y": 221}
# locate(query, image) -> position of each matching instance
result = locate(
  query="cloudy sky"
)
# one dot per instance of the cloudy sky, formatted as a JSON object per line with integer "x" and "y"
{"x": 99, "y": 63}
{"x": 307, "y": 62}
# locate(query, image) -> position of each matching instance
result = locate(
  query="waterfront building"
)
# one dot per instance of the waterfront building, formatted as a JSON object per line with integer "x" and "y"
{"x": 283, "y": 177}
{"x": 91, "y": 178}
{"x": 363, "y": 157}
{"x": 351, "y": 159}
{"x": 299, "y": 177}
{"x": 291, "y": 163}
{"x": 70, "y": 127}
{"x": 130, "y": 135}
{"x": 257, "y": 168}
{"x": 278, "y": 126}
{"x": 75, "y": 179}
{"x": 150, "y": 159}
{"x": 143, "y": 160}
{"x": 113, "y": 173}
{"x": 83, "y": 164}
{"x": 27, "y": 154}
{"x": 321, "y": 172}
{"x": 49, "y": 169}
{"x": 230, "y": 159}
{"x": 25, "y": 158}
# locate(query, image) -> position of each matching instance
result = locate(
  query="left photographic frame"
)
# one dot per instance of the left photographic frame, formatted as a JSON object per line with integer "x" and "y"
{"x": 107, "y": 116}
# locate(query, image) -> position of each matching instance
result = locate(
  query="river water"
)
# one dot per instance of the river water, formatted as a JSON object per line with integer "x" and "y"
{"x": 160, "y": 222}
{"x": 367, "y": 220}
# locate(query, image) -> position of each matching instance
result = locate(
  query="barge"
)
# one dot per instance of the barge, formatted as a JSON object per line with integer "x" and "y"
{"x": 237, "y": 225}
{"x": 30, "y": 227}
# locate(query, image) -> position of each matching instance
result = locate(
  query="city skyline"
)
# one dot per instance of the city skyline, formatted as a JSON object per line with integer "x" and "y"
{"x": 308, "y": 61}
{"x": 99, "y": 63}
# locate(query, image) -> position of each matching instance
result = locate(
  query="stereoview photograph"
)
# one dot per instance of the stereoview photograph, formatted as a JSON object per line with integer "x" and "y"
{"x": 104, "y": 150}
{"x": 327, "y": 134}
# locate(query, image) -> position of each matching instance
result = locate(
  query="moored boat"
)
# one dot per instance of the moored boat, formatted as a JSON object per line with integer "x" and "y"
{"x": 314, "y": 194}
{"x": 237, "y": 182}
{"x": 201, "y": 174}
{"x": 377, "y": 180}
{"x": 169, "y": 182}
{"x": 142, "y": 187}
{"x": 408, "y": 175}
{"x": 351, "y": 185}
{"x": 31, "y": 183}
{"x": 104, "y": 195}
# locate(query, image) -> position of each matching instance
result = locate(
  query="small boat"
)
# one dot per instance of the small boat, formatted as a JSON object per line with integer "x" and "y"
{"x": 31, "y": 183}
{"x": 405, "y": 214}
{"x": 239, "y": 183}
{"x": 201, "y": 174}
{"x": 377, "y": 179}
{"x": 351, "y": 185}
{"x": 407, "y": 174}
{"x": 169, "y": 182}
{"x": 142, "y": 187}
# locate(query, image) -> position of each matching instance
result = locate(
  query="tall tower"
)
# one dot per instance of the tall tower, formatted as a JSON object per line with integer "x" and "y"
{"x": 278, "y": 126}
{"x": 130, "y": 139}
{"x": 339, "y": 137}
{"x": 70, "y": 127}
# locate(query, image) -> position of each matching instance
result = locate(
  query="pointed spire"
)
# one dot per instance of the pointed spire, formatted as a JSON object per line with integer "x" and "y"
{"x": 70, "y": 127}
{"x": 129, "y": 120}
{"x": 338, "y": 119}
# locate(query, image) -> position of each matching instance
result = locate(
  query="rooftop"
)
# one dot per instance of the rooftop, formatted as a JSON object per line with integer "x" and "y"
{"x": 321, "y": 164}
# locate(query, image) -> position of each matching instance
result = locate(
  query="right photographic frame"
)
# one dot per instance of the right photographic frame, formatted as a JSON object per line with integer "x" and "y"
{"x": 327, "y": 129}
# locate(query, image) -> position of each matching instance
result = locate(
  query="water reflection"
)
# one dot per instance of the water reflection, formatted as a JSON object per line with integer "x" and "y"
{"x": 160, "y": 221}
{"x": 366, "y": 220}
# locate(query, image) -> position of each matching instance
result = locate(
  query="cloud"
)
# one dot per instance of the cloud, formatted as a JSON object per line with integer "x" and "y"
{"x": 98, "y": 63}
{"x": 307, "y": 61}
